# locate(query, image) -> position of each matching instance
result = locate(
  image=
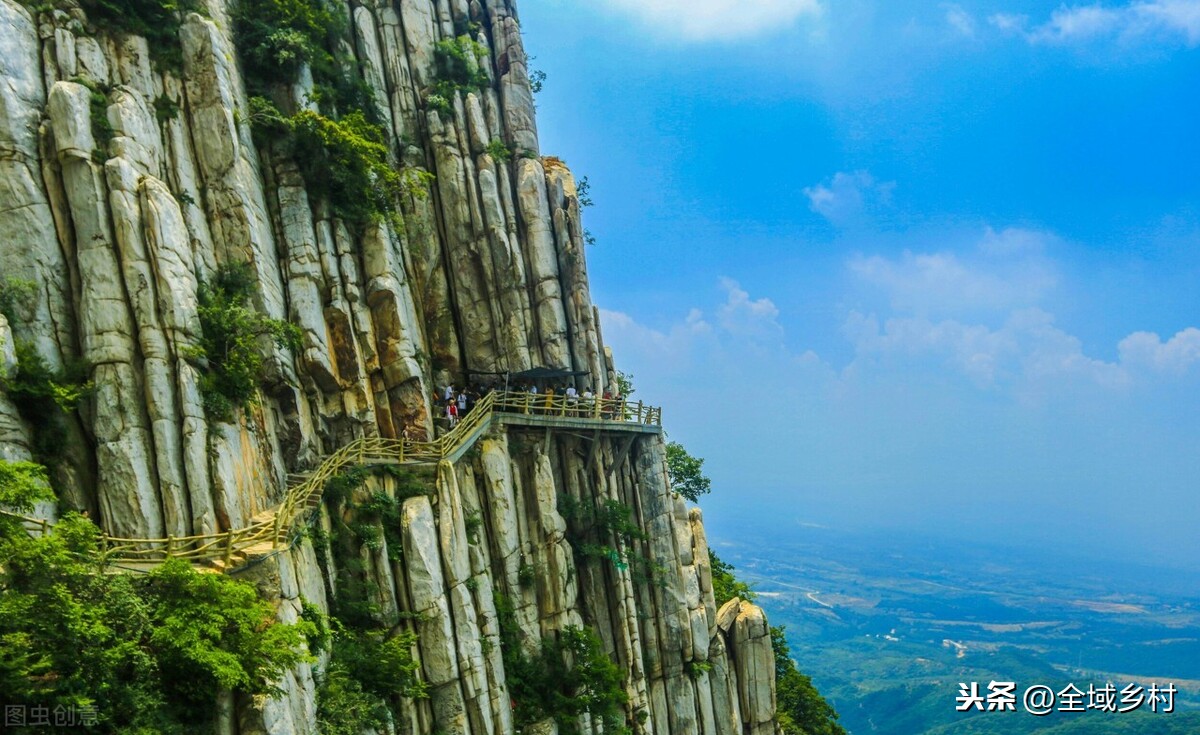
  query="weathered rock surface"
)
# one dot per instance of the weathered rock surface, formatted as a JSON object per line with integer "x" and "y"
{"x": 115, "y": 235}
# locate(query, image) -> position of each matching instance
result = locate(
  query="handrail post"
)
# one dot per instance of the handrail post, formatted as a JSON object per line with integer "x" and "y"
{"x": 228, "y": 547}
{"x": 639, "y": 413}
{"x": 403, "y": 441}
{"x": 275, "y": 534}
{"x": 170, "y": 543}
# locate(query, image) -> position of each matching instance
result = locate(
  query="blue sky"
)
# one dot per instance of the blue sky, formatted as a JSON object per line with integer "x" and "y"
{"x": 910, "y": 265}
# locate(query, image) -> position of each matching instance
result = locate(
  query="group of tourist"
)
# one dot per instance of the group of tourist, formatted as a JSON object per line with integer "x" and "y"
{"x": 458, "y": 403}
{"x": 455, "y": 404}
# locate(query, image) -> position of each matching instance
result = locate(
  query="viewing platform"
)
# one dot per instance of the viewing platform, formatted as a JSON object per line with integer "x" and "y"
{"x": 271, "y": 529}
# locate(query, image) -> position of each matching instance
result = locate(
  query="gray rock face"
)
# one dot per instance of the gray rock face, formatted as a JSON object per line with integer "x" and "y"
{"x": 117, "y": 235}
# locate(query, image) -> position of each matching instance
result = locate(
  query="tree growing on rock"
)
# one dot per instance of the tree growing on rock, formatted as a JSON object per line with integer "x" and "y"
{"x": 686, "y": 473}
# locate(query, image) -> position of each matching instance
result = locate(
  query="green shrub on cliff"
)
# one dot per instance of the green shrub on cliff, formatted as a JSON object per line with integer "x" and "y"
{"x": 607, "y": 530}
{"x": 367, "y": 669}
{"x": 725, "y": 585}
{"x": 686, "y": 473}
{"x": 229, "y": 351}
{"x": 346, "y": 161}
{"x": 13, "y": 293}
{"x": 44, "y": 396}
{"x": 138, "y": 654}
{"x": 371, "y": 663}
{"x": 157, "y": 20}
{"x": 799, "y": 707}
{"x": 22, "y": 486}
{"x": 569, "y": 675}
{"x": 459, "y": 64}
{"x": 276, "y": 37}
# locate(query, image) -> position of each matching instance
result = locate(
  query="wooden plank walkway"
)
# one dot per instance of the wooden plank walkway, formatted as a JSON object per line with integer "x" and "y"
{"x": 270, "y": 530}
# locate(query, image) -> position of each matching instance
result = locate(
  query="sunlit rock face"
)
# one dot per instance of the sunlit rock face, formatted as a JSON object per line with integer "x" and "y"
{"x": 125, "y": 186}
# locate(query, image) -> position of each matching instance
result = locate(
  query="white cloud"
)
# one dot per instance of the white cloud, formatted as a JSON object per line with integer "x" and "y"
{"x": 720, "y": 20}
{"x": 1009, "y": 22}
{"x": 981, "y": 315}
{"x": 1015, "y": 241}
{"x": 739, "y": 320}
{"x": 960, "y": 20}
{"x": 847, "y": 196}
{"x": 1027, "y": 351}
{"x": 1176, "y": 355}
{"x": 1137, "y": 21}
{"x": 1011, "y": 274}
{"x": 744, "y": 317}
{"x": 931, "y": 331}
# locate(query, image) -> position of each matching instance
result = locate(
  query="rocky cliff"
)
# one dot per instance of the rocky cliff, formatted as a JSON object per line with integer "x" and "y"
{"x": 127, "y": 182}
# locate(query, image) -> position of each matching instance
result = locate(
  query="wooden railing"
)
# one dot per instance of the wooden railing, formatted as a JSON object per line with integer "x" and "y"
{"x": 273, "y": 530}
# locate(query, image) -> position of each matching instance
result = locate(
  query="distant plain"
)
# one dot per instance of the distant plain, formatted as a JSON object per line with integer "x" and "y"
{"x": 889, "y": 625}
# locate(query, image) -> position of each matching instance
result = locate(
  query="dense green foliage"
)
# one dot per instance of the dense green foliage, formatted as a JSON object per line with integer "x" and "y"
{"x": 376, "y": 517}
{"x": 686, "y": 473}
{"x": 366, "y": 670}
{"x": 607, "y": 531}
{"x": 569, "y": 675}
{"x": 229, "y": 349}
{"x": 102, "y": 129}
{"x": 144, "y": 654}
{"x": 499, "y": 151}
{"x": 23, "y": 485}
{"x": 457, "y": 71}
{"x": 800, "y": 708}
{"x": 371, "y": 662}
{"x": 345, "y": 161}
{"x": 459, "y": 63}
{"x": 13, "y": 293}
{"x": 275, "y": 38}
{"x": 725, "y": 585}
{"x": 45, "y": 396}
{"x": 341, "y": 150}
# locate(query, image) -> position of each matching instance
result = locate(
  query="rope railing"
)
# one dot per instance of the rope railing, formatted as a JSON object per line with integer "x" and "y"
{"x": 302, "y": 498}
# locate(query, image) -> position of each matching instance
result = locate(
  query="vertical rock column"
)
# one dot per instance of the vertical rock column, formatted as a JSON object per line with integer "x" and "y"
{"x": 435, "y": 629}
{"x": 125, "y": 488}
{"x": 748, "y": 640}
{"x": 160, "y": 397}
{"x": 168, "y": 247}
{"x": 586, "y": 348}
{"x": 28, "y": 228}
{"x": 542, "y": 264}
{"x": 31, "y": 251}
{"x": 397, "y": 330}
